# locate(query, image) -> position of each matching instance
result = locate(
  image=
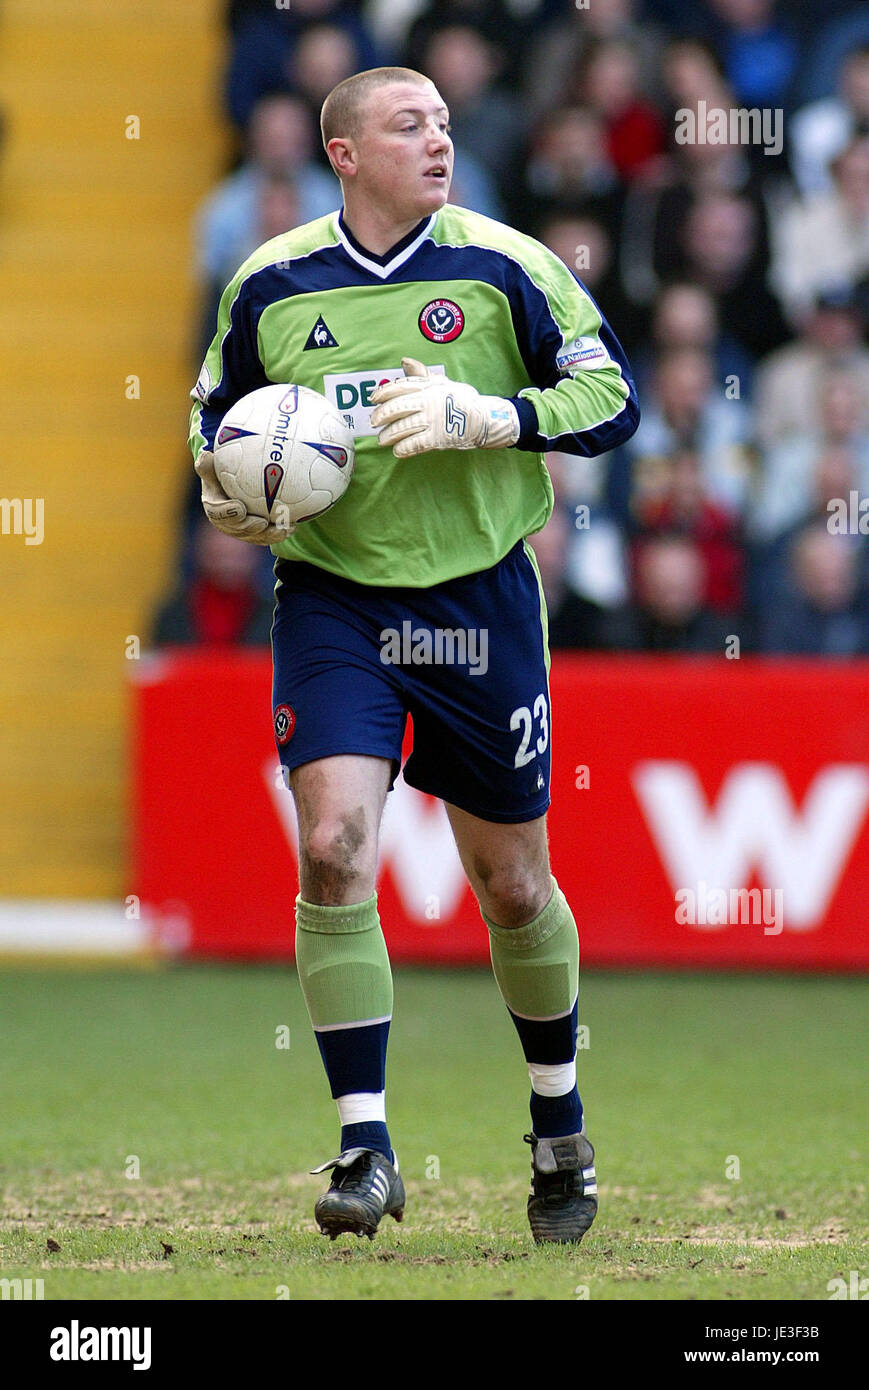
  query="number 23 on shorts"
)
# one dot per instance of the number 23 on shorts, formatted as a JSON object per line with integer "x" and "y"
{"x": 523, "y": 718}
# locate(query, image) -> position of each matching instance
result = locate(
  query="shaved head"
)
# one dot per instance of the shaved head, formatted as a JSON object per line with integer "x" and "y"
{"x": 387, "y": 134}
{"x": 341, "y": 116}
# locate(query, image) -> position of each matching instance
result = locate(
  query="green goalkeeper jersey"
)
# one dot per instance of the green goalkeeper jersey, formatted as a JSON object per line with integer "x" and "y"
{"x": 467, "y": 296}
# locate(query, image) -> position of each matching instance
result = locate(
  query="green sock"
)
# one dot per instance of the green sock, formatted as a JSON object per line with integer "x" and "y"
{"x": 343, "y": 963}
{"x": 347, "y": 983}
{"x": 537, "y": 966}
{"x": 537, "y": 969}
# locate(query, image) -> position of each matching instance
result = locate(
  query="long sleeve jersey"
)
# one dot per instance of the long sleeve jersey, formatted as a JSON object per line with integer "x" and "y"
{"x": 468, "y": 297}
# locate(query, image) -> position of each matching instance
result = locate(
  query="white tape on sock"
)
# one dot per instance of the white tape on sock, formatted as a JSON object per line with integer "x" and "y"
{"x": 552, "y": 1081}
{"x": 360, "y": 1106}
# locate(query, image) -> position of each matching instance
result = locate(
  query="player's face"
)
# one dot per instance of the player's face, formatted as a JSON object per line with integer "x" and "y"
{"x": 404, "y": 151}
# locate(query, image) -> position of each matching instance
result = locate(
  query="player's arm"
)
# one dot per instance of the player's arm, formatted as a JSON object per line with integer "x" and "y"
{"x": 582, "y": 400}
{"x": 231, "y": 369}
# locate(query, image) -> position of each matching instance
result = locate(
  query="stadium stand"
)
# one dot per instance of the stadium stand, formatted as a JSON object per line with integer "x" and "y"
{"x": 95, "y": 290}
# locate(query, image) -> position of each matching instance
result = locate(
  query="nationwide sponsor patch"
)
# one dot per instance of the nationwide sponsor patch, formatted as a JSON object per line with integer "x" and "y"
{"x": 441, "y": 321}
{"x": 584, "y": 354}
{"x": 351, "y": 393}
{"x": 203, "y": 385}
{"x": 285, "y": 724}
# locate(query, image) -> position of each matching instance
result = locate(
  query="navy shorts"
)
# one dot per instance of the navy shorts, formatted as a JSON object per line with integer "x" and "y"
{"x": 467, "y": 659}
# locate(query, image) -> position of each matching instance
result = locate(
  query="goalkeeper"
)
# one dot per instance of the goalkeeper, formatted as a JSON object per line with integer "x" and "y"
{"x": 459, "y": 351}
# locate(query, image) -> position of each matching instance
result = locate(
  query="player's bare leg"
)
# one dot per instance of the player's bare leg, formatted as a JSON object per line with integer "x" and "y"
{"x": 535, "y": 957}
{"x": 339, "y": 802}
{"x": 346, "y": 980}
{"x": 507, "y": 866}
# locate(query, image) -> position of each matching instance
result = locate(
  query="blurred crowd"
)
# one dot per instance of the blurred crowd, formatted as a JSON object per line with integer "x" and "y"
{"x": 736, "y": 275}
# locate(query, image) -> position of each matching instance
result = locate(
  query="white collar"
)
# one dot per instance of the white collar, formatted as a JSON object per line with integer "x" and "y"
{"x": 381, "y": 271}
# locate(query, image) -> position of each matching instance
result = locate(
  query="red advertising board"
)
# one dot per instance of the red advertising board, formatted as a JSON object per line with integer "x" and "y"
{"x": 705, "y": 812}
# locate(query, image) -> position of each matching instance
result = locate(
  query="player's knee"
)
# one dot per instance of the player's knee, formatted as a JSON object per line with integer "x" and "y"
{"x": 514, "y": 895}
{"x": 336, "y": 854}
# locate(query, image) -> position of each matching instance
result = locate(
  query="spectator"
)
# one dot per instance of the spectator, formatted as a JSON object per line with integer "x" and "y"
{"x": 264, "y": 42}
{"x": 686, "y": 315}
{"x": 322, "y": 56}
{"x": 487, "y": 124}
{"x": 839, "y": 35}
{"x": 568, "y": 167}
{"x": 800, "y": 469}
{"x": 501, "y": 24}
{"x": 667, "y": 614}
{"x": 721, "y": 242}
{"x": 821, "y": 612}
{"x": 825, "y": 240}
{"x": 280, "y": 145}
{"x": 684, "y": 409}
{"x": 222, "y": 604}
{"x": 389, "y": 23}
{"x": 789, "y": 381}
{"x": 275, "y": 210}
{"x": 277, "y": 181}
{"x": 595, "y": 554}
{"x": 586, "y": 247}
{"x": 691, "y": 73}
{"x": 607, "y": 81}
{"x": 278, "y": 209}
{"x": 657, "y": 212}
{"x": 559, "y": 48}
{"x": 682, "y": 507}
{"x": 822, "y": 130}
{"x": 760, "y": 54}
{"x": 583, "y": 244}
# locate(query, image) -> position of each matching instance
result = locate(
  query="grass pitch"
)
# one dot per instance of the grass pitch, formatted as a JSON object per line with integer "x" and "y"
{"x": 157, "y": 1134}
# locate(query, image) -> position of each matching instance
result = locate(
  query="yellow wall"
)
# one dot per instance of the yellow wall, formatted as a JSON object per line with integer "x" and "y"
{"x": 95, "y": 286}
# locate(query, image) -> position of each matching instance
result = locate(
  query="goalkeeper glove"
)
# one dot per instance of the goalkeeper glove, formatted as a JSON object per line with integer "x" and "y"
{"x": 419, "y": 412}
{"x": 231, "y": 516}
